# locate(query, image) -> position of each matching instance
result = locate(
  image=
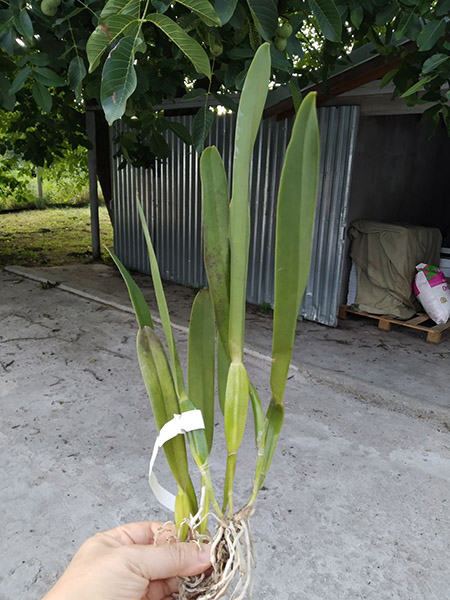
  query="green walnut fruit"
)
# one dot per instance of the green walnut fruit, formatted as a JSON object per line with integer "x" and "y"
{"x": 216, "y": 47}
{"x": 284, "y": 30}
{"x": 50, "y": 7}
{"x": 280, "y": 43}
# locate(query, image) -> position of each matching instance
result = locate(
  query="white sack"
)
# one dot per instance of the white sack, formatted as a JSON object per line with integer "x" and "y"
{"x": 431, "y": 289}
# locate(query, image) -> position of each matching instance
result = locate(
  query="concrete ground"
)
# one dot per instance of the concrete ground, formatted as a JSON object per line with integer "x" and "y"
{"x": 355, "y": 505}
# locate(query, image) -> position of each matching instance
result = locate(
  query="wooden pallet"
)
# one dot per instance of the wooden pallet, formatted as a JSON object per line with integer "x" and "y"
{"x": 434, "y": 332}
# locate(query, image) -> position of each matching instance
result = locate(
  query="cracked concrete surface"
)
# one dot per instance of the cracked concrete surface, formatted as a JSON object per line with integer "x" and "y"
{"x": 356, "y": 503}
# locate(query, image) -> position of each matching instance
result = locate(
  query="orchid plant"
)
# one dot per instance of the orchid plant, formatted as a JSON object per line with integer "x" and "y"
{"x": 216, "y": 335}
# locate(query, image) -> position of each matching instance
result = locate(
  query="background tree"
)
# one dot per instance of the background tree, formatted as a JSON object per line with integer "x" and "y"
{"x": 58, "y": 57}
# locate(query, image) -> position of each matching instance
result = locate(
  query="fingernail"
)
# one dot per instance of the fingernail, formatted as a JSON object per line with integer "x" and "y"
{"x": 205, "y": 553}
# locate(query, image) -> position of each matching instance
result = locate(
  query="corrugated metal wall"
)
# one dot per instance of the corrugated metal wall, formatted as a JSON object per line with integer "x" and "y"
{"x": 171, "y": 197}
{"x": 338, "y": 129}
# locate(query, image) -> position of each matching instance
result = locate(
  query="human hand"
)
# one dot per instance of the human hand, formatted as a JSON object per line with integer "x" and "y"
{"x": 137, "y": 561}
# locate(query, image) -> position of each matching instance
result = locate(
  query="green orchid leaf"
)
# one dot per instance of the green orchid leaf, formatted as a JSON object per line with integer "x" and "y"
{"x": 160, "y": 387}
{"x": 216, "y": 246}
{"x": 274, "y": 422}
{"x": 223, "y": 366}
{"x": 201, "y": 363}
{"x": 235, "y": 419}
{"x": 163, "y": 309}
{"x": 249, "y": 115}
{"x": 141, "y": 309}
{"x": 295, "y": 218}
{"x": 258, "y": 416}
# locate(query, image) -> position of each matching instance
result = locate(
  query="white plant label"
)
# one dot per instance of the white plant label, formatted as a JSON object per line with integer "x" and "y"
{"x": 187, "y": 421}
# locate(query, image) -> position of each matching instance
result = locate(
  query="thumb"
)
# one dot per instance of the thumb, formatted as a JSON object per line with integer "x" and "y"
{"x": 181, "y": 559}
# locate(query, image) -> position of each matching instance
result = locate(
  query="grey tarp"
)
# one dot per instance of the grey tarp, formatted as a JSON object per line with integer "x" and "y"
{"x": 385, "y": 256}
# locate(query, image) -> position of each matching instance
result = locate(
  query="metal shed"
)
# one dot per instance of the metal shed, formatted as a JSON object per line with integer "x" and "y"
{"x": 171, "y": 198}
{"x": 381, "y": 152}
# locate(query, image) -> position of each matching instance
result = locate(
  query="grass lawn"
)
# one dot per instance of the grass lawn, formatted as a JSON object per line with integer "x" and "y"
{"x": 53, "y": 236}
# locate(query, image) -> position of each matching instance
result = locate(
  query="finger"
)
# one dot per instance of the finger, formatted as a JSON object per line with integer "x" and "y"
{"x": 168, "y": 560}
{"x": 142, "y": 532}
{"x": 166, "y": 534}
{"x": 162, "y": 588}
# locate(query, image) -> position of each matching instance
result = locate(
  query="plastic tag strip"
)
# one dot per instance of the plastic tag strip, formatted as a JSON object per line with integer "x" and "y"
{"x": 187, "y": 421}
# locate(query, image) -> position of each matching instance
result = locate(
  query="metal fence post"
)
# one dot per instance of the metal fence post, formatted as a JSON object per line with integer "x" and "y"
{"x": 93, "y": 193}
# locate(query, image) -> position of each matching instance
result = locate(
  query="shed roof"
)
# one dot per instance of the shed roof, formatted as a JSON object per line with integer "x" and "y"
{"x": 356, "y": 82}
{"x": 353, "y": 83}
